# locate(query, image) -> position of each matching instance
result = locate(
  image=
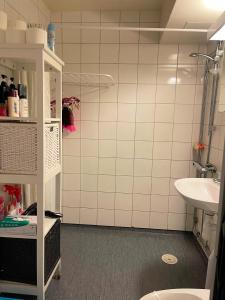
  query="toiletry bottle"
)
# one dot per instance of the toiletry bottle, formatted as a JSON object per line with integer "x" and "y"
{"x": 22, "y": 91}
{"x": 24, "y": 111}
{"x": 3, "y": 107}
{"x": 13, "y": 104}
{"x": 3, "y": 96}
{"x": 19, "y": 85}
{"x": 2, "y": 208}
{"x": 51, "y": 36}
{"x": 21, "y": 79}
{"x": 11, "y": 84}
{"x": 23, "y": 75}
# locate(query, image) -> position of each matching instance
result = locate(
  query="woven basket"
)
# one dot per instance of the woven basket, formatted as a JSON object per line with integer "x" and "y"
{"x": 18, "y": 148}
{"x": 52, "y": 153}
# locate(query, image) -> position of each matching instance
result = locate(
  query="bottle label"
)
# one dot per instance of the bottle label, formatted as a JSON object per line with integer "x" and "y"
{"x": 24, "y": 112}
{"x": 15, "y": 107}
{"x": 3, "y": 111}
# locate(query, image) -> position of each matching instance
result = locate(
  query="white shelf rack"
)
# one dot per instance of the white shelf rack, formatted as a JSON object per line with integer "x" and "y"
{"x": 19, "y": 288}
{"x": 28, "y": 120}
{"x": 88, "y": 79}
{"x": 41, "y": 59}
{"x": 48, "y": 223}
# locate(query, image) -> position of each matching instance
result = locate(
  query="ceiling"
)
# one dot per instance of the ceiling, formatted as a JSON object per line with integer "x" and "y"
{"x": 57, "y": 5}
{"x": 192, "y": 14}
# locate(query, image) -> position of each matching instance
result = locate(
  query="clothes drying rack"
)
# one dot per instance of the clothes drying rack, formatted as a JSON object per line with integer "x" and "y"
{"x": 88, "y": 79}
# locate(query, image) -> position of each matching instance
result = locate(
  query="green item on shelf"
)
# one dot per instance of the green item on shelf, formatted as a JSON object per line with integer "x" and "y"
{"x": 3, "y": 298}
{"x": 12, "y": 221}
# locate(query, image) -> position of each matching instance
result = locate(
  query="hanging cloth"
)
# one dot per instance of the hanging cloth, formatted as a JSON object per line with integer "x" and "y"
{"x": 68, "y": 119}
{"x": 69, "y": 104}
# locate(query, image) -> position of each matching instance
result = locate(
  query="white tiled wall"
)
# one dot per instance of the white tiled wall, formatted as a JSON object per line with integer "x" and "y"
{"x": 135, "y": 138}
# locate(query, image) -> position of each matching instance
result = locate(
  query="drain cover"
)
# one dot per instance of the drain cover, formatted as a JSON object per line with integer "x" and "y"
{"x": 169, "y": 259}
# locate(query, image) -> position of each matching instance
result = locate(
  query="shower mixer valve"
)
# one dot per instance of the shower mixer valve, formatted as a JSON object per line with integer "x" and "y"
{"x": 204, "y": 169}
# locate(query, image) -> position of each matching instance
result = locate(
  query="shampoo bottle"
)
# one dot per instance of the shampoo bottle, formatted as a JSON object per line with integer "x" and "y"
{"x": 13, "y": 104}
{"x": 24, "y": 112}
{"x": 3, "y": 105}
{"x": 3, "y": 96}
{"x": 22, "y": 90}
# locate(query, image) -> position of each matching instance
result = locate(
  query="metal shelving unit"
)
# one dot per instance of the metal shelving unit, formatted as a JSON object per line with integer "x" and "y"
{"x": 42, "y": 59}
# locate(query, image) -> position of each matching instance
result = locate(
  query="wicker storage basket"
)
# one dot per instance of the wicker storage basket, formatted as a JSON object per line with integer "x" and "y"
{"x": 18, "y": 148}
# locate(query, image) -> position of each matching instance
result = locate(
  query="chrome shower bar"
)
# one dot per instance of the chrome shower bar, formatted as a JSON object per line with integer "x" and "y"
{"x": 123, "y": 28}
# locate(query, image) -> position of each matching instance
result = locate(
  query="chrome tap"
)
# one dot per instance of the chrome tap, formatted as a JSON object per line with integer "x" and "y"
{"x": 216, "y": 180}
{"x": 211, "y": 168}
{"x": 204, "y": 169}
{"x": 199, "y": 167}
{"x": 217, "y": 177}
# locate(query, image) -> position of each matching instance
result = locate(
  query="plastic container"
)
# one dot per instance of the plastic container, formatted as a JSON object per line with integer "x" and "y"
{"x": 3, "y": 20}
{"x": 3, "y": 108}
{"x": 3, "y": 26}
{"x": 51, "y": 36}
{"x": 36, "y": 34}
{"x": 3, "y": 96}
{"x": 13, "y": 104}
{"x": 24, "y": 109}
{"x": 2, "y": 208}
{"x": 16, "y": 32}
{"x": 17, "y": 24}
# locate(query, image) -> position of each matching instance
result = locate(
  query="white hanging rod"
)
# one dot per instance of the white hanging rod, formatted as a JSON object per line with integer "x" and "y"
{"x": 88, "y": 79}
{"x": 157, "y": 29}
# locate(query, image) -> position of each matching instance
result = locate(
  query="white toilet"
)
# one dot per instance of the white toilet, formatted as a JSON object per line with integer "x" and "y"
{"x": 178, "y": 294}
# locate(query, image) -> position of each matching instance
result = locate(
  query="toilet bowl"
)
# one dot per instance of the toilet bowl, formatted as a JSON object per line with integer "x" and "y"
{"x": 178, "y": 294}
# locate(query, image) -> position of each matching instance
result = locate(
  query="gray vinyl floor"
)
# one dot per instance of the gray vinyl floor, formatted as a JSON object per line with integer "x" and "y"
{"x": 124, "y": 264}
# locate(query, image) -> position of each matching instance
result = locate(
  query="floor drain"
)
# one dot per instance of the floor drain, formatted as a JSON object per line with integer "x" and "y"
{"x": 169, "y": 259}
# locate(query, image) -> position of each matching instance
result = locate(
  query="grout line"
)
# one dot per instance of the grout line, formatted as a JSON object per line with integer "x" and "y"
{"x": 173, "y": 126}
{"x": 153, "y": 143}
{"x": 134, "y": 158}
{"x": 118, "y": 74}
{"x": 80, "y": 108}
{"x": 130, "y": 122}
{"x": 98, "y": 173}
{"x": 121, "y": 209}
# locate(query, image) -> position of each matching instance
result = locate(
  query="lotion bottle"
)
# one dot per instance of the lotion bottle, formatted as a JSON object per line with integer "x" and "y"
{"x": 3, "y": 96}
{"x": 24, "y": 111}
{"x": 22, "y": 89}
{"x": 13, "y": 104}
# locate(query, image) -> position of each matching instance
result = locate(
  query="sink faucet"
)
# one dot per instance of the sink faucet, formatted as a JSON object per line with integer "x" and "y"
{"x": 216, "y": 180}
{"x": 217, "y": 177}
{"x": 204, "y": 169}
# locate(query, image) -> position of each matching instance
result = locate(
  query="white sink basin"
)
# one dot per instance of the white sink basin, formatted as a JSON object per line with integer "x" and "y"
{"x": 199, "y": 192}
{"x": 178, "y": 294}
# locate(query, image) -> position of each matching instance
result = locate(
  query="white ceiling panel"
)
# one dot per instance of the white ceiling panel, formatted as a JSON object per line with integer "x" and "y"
{"x": 59, "y": 5}
{"x": 186, "y": 12}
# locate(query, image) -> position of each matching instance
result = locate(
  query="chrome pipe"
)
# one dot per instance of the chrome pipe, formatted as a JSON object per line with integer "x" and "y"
{"x": 203, "y": 110}
{"x": 212, "y": 112}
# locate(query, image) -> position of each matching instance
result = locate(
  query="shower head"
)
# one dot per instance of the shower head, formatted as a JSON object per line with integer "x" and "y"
{"x": 215, "y": 70}
{"x": 195, "y": 54}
